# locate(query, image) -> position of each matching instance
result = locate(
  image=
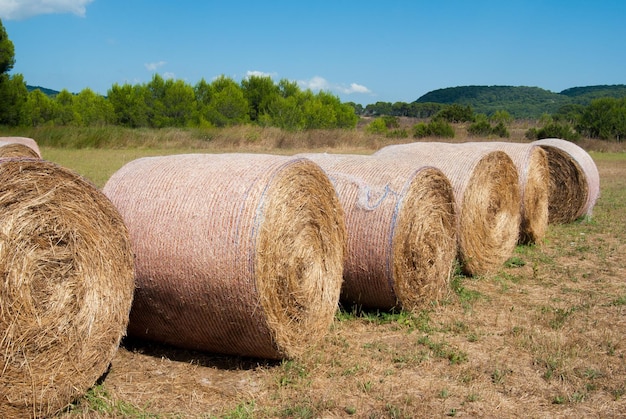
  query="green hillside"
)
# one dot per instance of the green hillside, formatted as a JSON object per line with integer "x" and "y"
{"x": 519, "y": 101}
{"x": 44, "y": 90}
{"x": 588, "y": 93}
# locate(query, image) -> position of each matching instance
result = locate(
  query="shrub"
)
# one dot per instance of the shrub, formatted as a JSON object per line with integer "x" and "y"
{"x": 391, "y": 121}
{"x": 500, "y": 130}
{"x": 377, "y": 126}
{"x": 435, "y": 128}
{"x": 397, "y": 133}
{"x": 482, "y": 127}
{"x": 456, "y": 113}
{"x": 553, "y": 130}
{"x": 441, "y": 129}
{"x": 501, "y": 117}
{"x": 420, "y": 130}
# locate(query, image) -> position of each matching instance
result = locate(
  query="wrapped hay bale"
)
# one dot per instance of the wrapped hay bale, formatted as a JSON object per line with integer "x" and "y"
{"x": 574, "y": 180}
{"x": 66, "y": 288}
{"x": 401, "y": 230}
{"x": 531, "y": 162}
{"x": 19, "y": 147}
{"x": 485, "y": 184}
{"x": 235, "y": 253}
{"x": 16, "y": 150}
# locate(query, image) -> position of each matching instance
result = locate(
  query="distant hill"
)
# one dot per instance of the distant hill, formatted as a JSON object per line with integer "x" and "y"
{"x": 44, "y": 90}
{"x": 520, "y": 101}
{"x": 593, "y": 92}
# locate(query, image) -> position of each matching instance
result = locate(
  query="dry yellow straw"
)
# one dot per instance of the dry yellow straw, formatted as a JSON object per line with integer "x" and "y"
{"x": 16, "y": 147}
{"x": 66, "y": 287}
{"x": 574, "y": 180}
{"x": 236, "y": 253}
{"x": 401, "y": 230}
{"x": 486, "y": 191}
{"x": 16, "y": 150}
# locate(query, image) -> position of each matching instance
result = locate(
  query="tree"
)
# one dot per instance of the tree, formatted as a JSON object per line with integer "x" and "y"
{"x": 358, "y": 108}
{"x": 7, "y": 51}
{"x": 153, "y": 96}
{"x": 605, "y": 119}
{"x": 39, "y": 109}
{"x": 203, "y": 92}
{"x": 424, "y": 110}
{"x": 569, "y": 113}
{"x": 259, "y": 91}
{"x": 129, "y": 105}
{"x": 288, "y": 88}
{"x": 13, "y": 96}
{"x": 317, "y": 115}
{"x": 378, "y": 108}
{"x": 179, "y": 103}
{"x": 65, "y": 114}
{"x": 285, "y": 113}
{"x": 92, "y": 109}
{"x": 228, "y": 105}
{"x": 456, "y": 113}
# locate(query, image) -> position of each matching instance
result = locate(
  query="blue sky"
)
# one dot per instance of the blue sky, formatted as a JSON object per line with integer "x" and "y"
{"x": 362, "y": 51}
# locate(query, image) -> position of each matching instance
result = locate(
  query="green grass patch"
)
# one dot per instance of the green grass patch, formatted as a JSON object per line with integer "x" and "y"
{"x": 98, "y": 401}
{"x": 404, "y": 319}
{"x": 443, "y": 350}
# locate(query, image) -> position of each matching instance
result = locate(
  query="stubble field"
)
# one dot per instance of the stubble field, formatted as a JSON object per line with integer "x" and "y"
{"x": 543, "y": 337}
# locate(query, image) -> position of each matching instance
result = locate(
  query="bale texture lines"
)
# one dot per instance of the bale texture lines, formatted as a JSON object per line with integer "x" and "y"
{"x": 235, "y": 253}
{"x": 531, "y": 162}
{"x": 19, "y": 147}
{"x": 574, "y": 180}
{"x": 485, "y": 185}
{"x": 16, "y": 150}
{"x": 401, "y": 230}
{"x": 67, "y": 286}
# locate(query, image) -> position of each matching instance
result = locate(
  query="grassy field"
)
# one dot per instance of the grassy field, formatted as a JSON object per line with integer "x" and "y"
{"x": 543, "y": 337}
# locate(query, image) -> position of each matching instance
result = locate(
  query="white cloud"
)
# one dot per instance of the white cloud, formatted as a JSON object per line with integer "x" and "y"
{"x": 169, "y": 75}
{"x": 316, "y": 83}
{"x": 257, "y": 73}
{"x": 319, "y": 83}
{"x": 357, "y": 88}
{"x": 155, "y": 65}
{"x": 23, "y": 9}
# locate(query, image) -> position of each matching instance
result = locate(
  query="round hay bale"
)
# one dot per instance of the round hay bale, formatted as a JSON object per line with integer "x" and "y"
{"x": 236, "y": 253}
{"x": 66, "y": 289}
{"x": 485, "y": 184}
{"x": 531, "y": 162}
{"x": 401, "y": 230}
{"x": 16, "y": 150}
{"x": 24, "y": 141}
{"x": 574, "y": 180}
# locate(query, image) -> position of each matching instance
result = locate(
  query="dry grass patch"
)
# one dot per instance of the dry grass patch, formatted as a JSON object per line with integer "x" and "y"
{"x": 540, "y": 337}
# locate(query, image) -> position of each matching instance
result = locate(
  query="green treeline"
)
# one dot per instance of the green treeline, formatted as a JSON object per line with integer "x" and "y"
{"x": 593, "y": 111}
{"x": 173, "y": 103}
{"x": 519, "y": 101}
{"x": 603, "y": 118}
{"x": 170, "y": 103}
